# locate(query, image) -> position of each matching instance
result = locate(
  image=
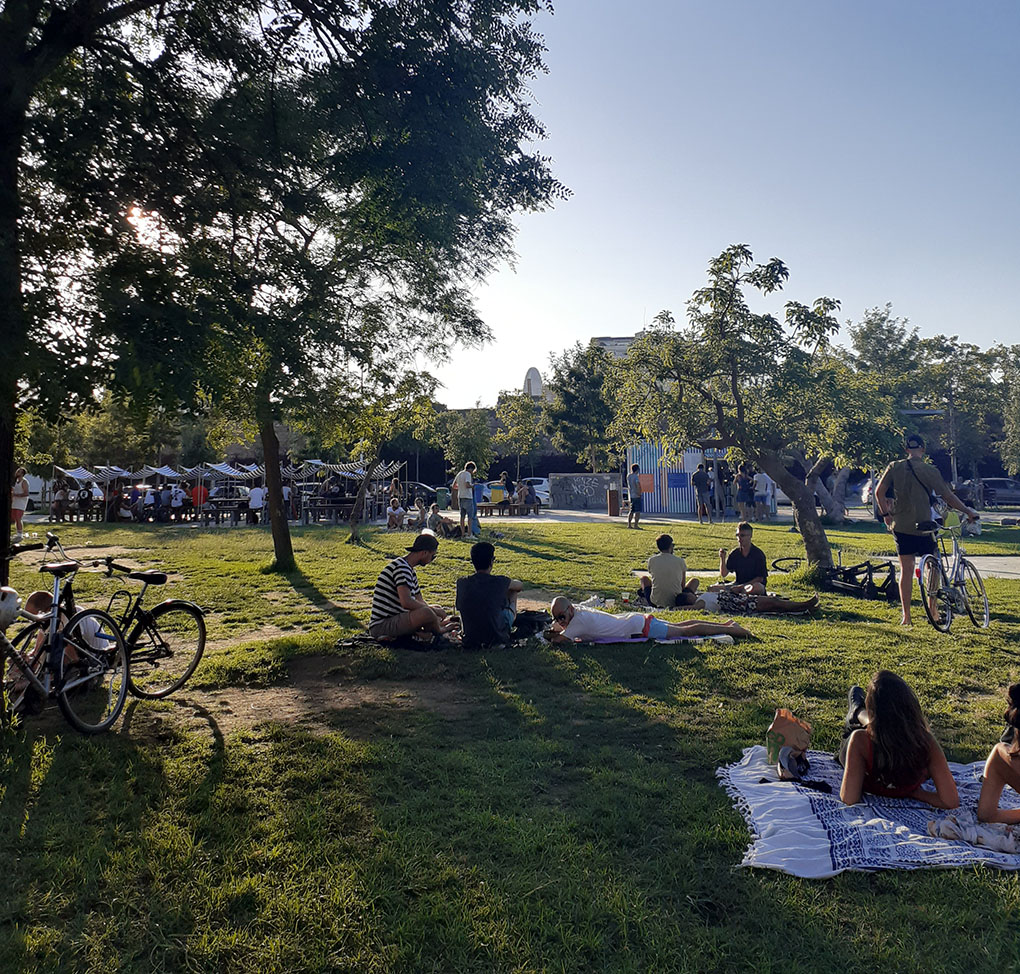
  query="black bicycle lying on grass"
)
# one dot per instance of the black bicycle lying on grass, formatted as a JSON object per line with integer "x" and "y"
{"x": 869, "y": 579}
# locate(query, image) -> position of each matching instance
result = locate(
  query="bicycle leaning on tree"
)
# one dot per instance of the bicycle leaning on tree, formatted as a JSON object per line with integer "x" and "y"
{"x": 77, "y": 657}
{"x": 950, "y": 583}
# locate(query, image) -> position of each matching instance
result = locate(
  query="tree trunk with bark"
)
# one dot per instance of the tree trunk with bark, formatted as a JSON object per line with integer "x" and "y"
{"x": 805, "y": 514}
{"x": 12, "y": 317}
{"x": 283, "y": 550}
{"x": 359, "y": 503}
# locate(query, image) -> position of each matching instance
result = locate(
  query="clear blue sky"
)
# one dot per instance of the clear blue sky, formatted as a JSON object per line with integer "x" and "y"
{"x": 872, "y": 146}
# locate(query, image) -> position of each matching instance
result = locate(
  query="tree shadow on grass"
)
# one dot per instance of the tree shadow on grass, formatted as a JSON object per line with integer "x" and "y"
{"x": 307, "y": 588}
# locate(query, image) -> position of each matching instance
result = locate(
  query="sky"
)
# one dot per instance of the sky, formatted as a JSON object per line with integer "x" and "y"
{"x": 872, "y": 146}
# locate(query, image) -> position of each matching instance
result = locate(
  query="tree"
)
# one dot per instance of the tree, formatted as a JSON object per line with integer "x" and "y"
{"x": 738, "y": 380}
{"x": 578, "y": 416}
{"x": 1008, "y": 357}
{"x": 518, "y": 425}
{"x": 281, "y": 206}
{"x": 465, "y": 435}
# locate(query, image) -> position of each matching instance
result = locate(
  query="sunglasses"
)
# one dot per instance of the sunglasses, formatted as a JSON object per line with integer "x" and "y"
{"x": 560, "y": 617}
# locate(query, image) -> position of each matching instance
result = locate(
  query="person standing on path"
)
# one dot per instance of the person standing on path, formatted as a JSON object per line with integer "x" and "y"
{"x": 464, "y": 484}
{"x": 702, "y": 483}
{"x": 913, "y": 482}
{"x": 19, "y": 502}
{"x": 634, "y": 493}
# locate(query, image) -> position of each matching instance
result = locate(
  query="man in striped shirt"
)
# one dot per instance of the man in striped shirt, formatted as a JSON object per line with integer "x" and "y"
{"x": 397, "y": 606}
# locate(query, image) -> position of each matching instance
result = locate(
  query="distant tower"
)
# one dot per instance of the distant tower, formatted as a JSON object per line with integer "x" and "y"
{"x": 533, "y": 384}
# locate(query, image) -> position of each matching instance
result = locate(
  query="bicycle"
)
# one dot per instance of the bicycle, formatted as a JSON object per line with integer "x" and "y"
{"x": 165, "y": 643}
{"x": 949, "y": 582}
{"x": 82, "y": 662}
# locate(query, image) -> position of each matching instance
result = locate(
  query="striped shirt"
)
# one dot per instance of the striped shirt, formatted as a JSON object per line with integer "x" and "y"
{"x": 386, "y": 598}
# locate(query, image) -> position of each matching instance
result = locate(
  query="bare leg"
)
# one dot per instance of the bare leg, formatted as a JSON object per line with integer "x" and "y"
{"x": 906, "y": 586}
{"x": 768, "y": 604}
{"x": 699, "y": 627}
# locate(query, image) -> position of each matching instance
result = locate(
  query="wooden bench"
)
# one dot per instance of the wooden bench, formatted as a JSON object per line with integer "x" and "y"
{"x": 487, "y": 510}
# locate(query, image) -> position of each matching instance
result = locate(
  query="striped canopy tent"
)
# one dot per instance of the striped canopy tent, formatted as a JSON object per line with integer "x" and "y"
{"x": 223, "y": 471}
{"x": 106, "y": 474}
{"x": 353, "y": 470}
{"x": 167, "y": 473}
{"x": 77, "y": 473}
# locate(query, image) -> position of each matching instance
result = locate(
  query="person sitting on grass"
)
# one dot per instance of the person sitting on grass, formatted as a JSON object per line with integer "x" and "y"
{"x": 666, "y": 583}
{"x": 575, "y": 623}
{"x": 747, "y": 562}
{"x": 418, "y": 515}
{"x": 1003, "y": 766}
{"x": 394, "y": 515}
{"x": 397, "y": 606}
{"x": 486, "y": 603}
{"x": 888, "y": 749}
{"x": 440, "y": 525}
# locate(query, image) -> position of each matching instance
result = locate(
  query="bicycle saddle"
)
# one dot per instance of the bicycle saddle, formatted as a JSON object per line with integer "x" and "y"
{"x": 150, "y": 578}
{"x": 928, "y": 527}
{"x": 60, "y": 568}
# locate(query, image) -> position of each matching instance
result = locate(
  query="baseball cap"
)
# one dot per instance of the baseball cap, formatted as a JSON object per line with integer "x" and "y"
{"x": 914, "y": 441}
{"x": 425, "y": 542}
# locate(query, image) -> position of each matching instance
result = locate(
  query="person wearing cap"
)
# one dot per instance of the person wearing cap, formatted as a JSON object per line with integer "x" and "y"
{"x": 913, "y": 482}
{"x": 397, "y": 606}
{"x": 486, "y": 603}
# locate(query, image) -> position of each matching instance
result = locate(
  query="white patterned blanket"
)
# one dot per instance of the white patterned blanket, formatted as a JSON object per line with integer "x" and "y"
{"x": 806, "y": 833}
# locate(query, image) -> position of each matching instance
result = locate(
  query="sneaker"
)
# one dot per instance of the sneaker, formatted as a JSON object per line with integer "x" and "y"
{"x": 854, "y": 705}
{"x": 17, "y": 538}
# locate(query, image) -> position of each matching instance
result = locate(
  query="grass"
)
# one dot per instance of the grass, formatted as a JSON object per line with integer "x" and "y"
{"x": 543, "y": 809}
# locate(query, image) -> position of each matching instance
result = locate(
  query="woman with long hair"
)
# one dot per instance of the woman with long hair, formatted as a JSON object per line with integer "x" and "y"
{"x": 888, "y": 749}
{"x": 19, "y": 502}
{"x": 1003, "y": 766}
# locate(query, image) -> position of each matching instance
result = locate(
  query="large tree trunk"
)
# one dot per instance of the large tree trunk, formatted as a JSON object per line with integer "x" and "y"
{"x": 834, "y": 501}
{"x": 359, "y": 502}
{"x": 805, "y": 514}
{"x": 282, "y": 548}
{"x": 12, "y": 319}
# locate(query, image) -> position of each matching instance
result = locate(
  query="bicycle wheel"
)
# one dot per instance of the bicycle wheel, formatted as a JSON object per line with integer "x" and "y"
{"x": 93, "y": 680}
{"x": 165, "y": 650}
{"x": 787, "y": 564}
{"x": 19, "y": 696}
{"x": 936, "y": 596}
{"x": 974, "y": 597}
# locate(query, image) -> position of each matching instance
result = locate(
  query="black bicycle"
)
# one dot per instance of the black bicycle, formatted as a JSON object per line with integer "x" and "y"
{"x": 78, "y": 657}
{"x": 164, "y": 643}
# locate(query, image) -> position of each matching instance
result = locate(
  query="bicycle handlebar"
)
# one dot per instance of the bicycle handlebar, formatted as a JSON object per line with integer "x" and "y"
{"x": 18, "y": 549}
{"x": 112, "y": 566}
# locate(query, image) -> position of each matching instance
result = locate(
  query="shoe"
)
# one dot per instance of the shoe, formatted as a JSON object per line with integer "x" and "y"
{"x": 17, "y": 538}
{"x": 855, "y": 704}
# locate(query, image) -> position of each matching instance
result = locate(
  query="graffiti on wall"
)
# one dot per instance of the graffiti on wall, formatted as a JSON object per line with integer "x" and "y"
{"x": 582, "y": 491}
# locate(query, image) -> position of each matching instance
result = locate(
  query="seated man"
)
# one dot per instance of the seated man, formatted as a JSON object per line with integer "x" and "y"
{"x": 720, "y": 598}
{"x": 574, "y": 623}
{"x": 486, "y": 603}
{"x": 746, "y": 561}
{"x": 666, "y": 584}
{"x": 395, "y": 514}
{"x": 438, "y": 524}
{"x": 397, "y": 606}
{"x": 418, "y": 515}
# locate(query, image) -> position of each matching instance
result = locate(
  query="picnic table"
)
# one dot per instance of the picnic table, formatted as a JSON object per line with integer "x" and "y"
{"x": 330, "y": 509}
{"x": 520, "y": 510}
{"x": 216, "y": 509}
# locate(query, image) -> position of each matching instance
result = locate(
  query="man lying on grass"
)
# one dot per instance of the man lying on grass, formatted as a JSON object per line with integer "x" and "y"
{"x": 574, "y": 623}
{"x": 397, "y": 606}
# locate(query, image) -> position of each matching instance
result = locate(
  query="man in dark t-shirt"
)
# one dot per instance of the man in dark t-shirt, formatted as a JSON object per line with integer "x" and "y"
{"x": 487, "y": 603}
{"x": 746, "y": 561}
{"x": 702, "y": 484}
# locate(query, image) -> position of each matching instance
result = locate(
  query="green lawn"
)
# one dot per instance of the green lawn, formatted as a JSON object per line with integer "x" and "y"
{"x": 541, "y": 809}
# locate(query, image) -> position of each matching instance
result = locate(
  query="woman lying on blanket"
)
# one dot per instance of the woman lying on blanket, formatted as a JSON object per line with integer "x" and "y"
{"x": 888, "y": 749}
{"x": 1003, "y": 766}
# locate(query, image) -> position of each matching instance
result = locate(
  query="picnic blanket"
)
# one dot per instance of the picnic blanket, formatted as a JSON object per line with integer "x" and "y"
{"x": 806, "y": 833}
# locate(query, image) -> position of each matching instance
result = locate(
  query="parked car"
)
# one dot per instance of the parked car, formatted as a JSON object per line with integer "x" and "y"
{"x": 224, "y": 492}
{"x": 1002, "y": 491}
{"x": 415, "y": 489}
{"x": 541, "y": 485}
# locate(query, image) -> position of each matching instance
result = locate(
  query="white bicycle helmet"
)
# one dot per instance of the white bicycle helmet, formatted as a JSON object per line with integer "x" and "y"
{"x": 9, "y": 605}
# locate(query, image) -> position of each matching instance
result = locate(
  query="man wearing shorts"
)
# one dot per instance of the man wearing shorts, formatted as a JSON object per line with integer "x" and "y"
{"x": 397, "y": 606}
{"x": 701, "y": 482}
{"x": 486, "y": 603}
{"x": 913, "y": 482}
{"x": 575, "y": 623}
{"x": 465, "y": 486}
{"x": 634, "y": 492}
